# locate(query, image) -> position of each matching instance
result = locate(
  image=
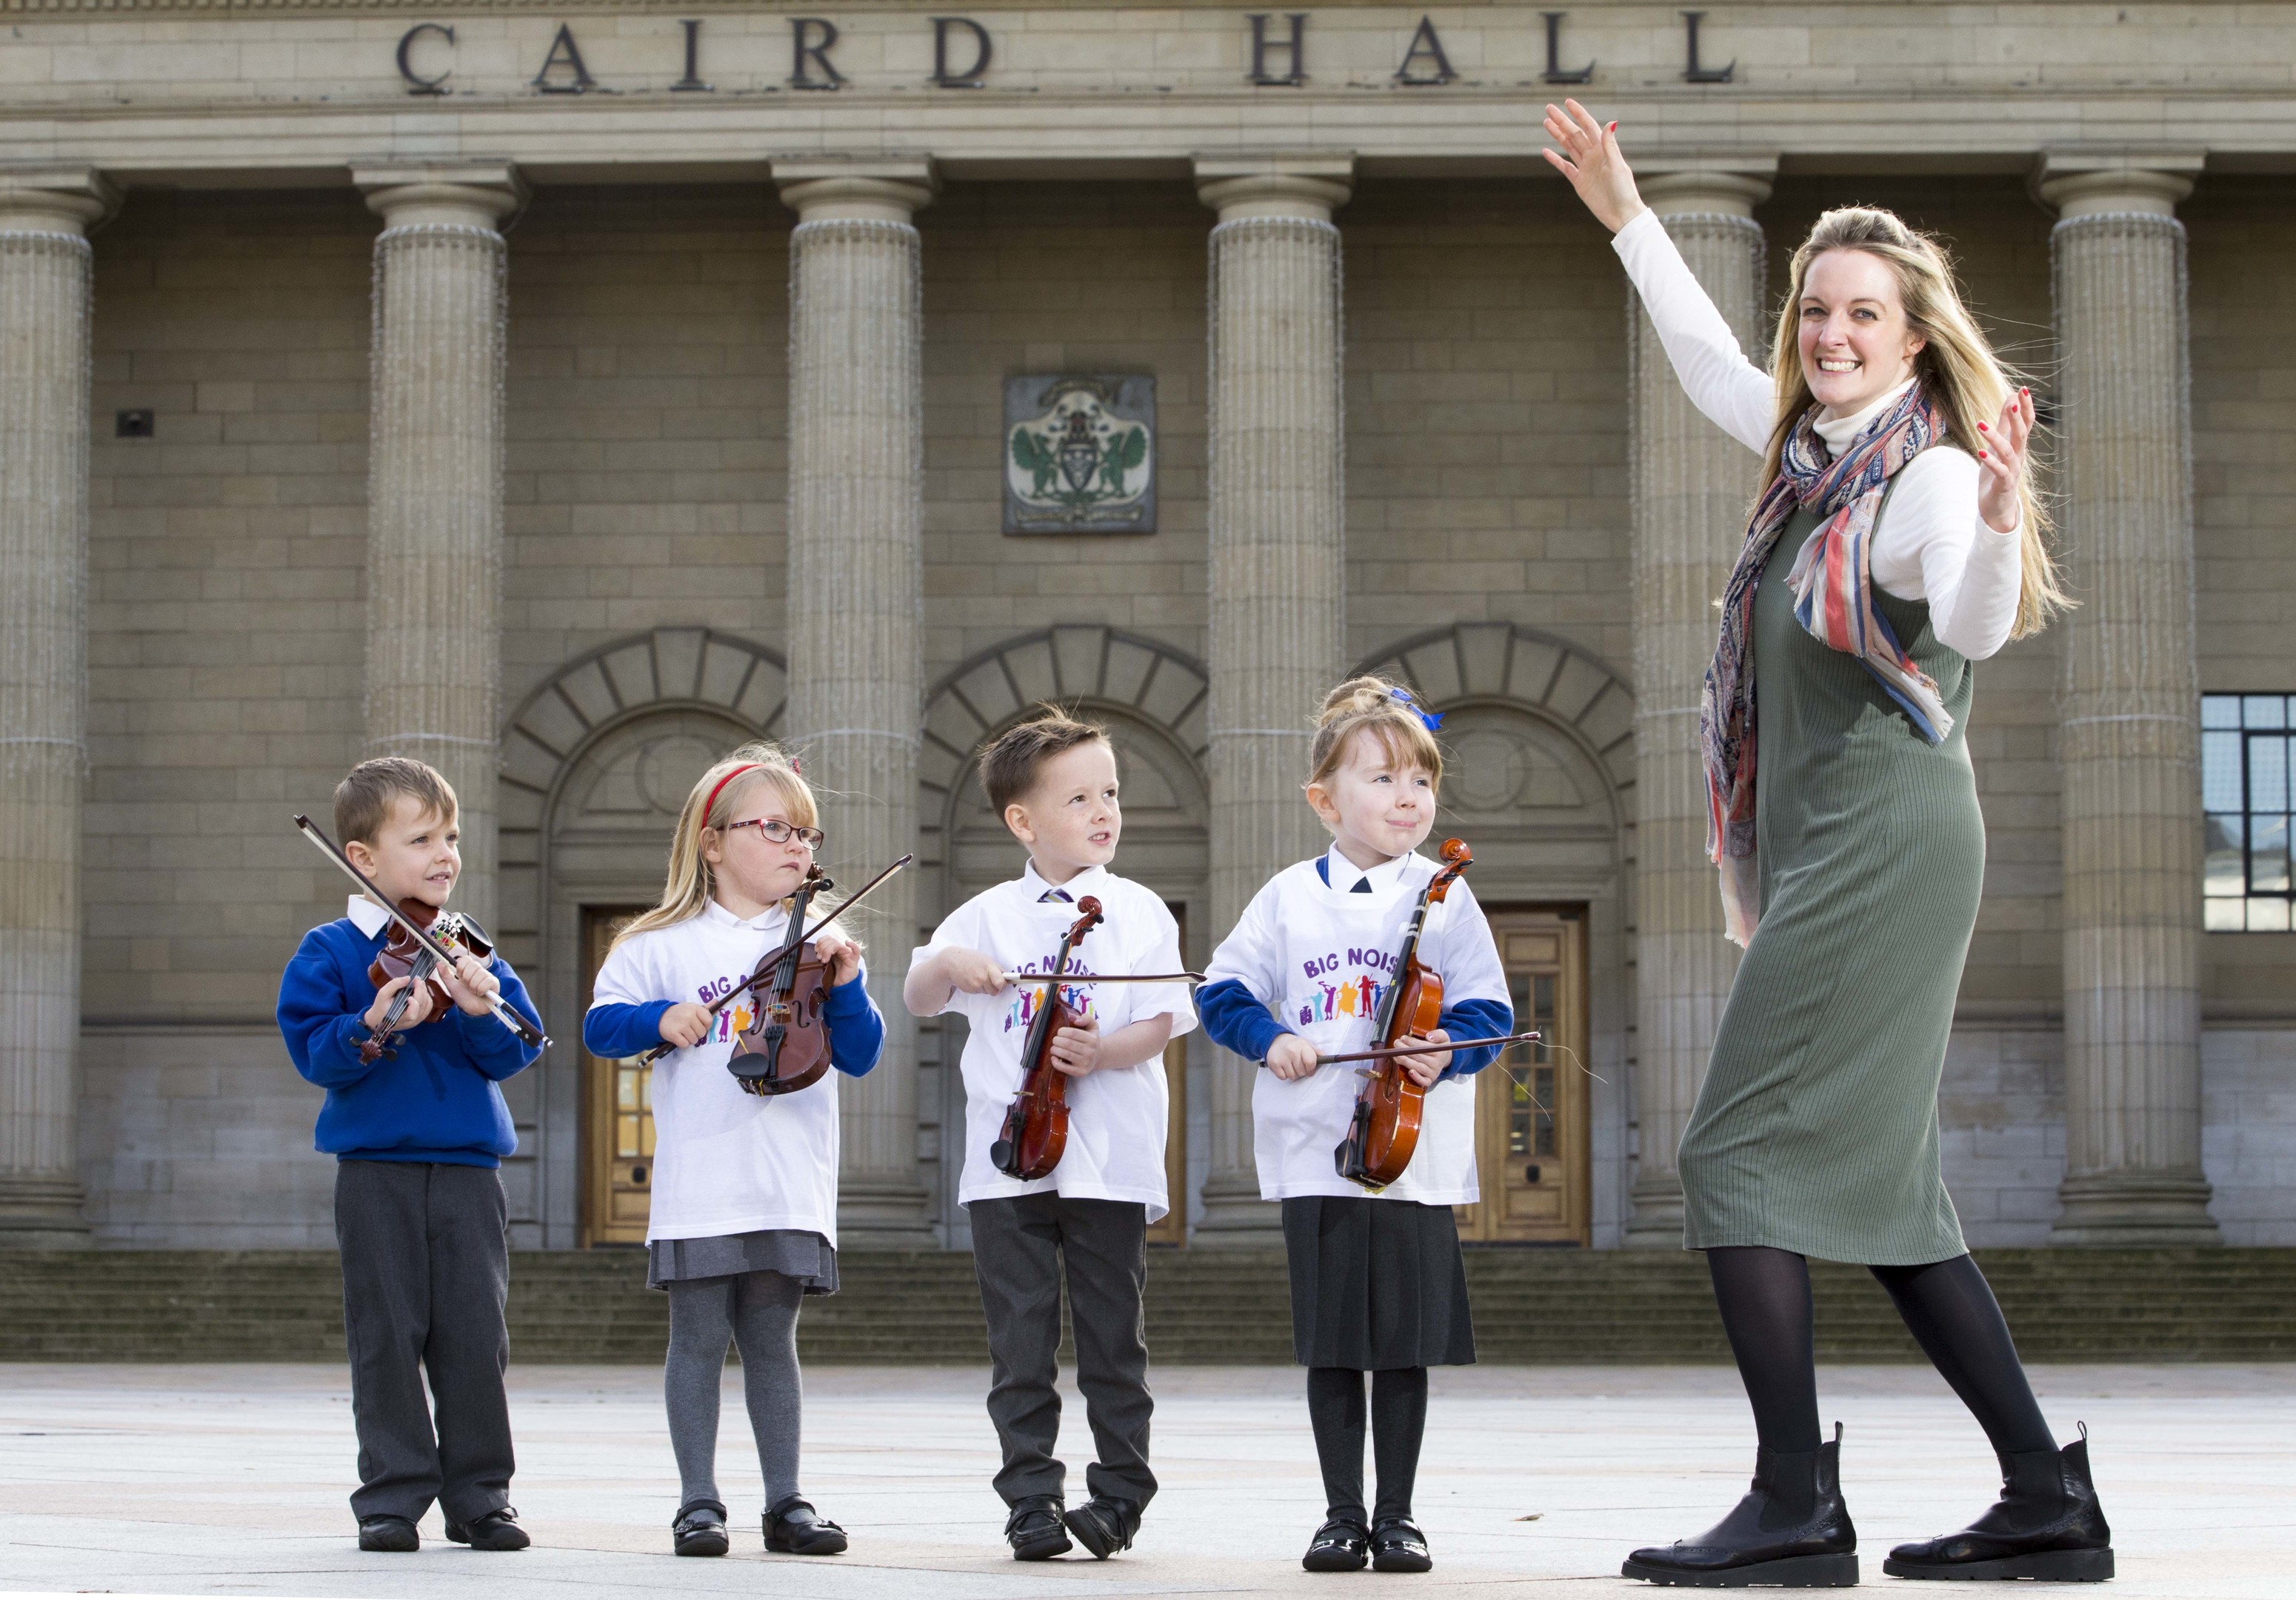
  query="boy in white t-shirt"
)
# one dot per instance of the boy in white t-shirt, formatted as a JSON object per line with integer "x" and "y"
{"x": 1054, "y": 783}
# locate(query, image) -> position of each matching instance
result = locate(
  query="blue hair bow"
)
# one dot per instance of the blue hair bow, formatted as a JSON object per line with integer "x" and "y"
{"x": 1431, "y": 719}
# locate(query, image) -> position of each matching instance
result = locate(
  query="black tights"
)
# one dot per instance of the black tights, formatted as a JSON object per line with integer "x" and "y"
{"x": 1947, "y": 1306}
{"x": 1398, "y": 1418}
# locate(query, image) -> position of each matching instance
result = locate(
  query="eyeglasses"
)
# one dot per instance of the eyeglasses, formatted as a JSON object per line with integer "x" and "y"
{"x": 781, "y": 832}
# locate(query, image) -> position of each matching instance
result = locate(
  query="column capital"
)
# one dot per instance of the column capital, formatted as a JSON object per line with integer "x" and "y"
{"x": 475, "y": 194}
{"x": 856, "y": 188}
{"x": 2087, "y": 183}
{"x": 53, "y": 198}
{"x": 1727, "y": 187}
{"x": 1306, "y": 185}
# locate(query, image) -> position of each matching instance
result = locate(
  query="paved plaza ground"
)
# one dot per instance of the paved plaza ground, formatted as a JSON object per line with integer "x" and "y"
{"x": 229, "y": 1481}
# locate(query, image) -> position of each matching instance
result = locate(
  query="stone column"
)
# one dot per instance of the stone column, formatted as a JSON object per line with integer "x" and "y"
{"x": 434, "y": 486}
{"x": 1691, "y": 484}
{"x": 1278, "y": 570}
{"x": 2129, "y": 738}
{"x": 44, "y": 302}
{"x": 855, "y": 614}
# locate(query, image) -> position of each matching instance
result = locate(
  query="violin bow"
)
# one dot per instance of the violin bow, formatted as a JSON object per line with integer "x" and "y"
{"x": 1069, "y": 978}
{"x": 1430, "y": 1048}
{"x": 503, "y": 1012}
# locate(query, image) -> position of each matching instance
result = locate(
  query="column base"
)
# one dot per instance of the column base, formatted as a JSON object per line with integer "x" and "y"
{"x": 1657, "y": 1220}
{"x": 43, "y": 1214}
{"x": 1235, "y": 1218}
{"x": 883, "y": 1214}
{"x": 2133, "y": 1209}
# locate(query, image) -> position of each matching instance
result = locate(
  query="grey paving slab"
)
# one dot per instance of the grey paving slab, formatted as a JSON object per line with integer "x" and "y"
{"x": 229, "y": 1481}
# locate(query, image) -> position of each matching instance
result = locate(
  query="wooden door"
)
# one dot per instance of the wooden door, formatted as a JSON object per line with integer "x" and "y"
{"x": 1531, "y": 1137}
{"x": 617, "y": 1113}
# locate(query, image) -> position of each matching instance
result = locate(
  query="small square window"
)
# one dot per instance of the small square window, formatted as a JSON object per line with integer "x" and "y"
{"x": 2248, "y": 791}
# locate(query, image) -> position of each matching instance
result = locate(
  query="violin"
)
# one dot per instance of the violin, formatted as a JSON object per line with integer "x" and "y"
{"x": 1035, "y": 1132}
{"x": 1385, "y": 1129}
{"x": 785, "y": 1048}
{"x": 404, "y": 955}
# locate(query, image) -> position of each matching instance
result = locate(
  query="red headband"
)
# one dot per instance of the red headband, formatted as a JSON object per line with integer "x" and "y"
{"x": 710, "y": 804}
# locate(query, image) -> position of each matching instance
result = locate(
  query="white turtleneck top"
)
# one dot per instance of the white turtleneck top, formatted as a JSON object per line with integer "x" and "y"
{"x": 1932, "y": 544}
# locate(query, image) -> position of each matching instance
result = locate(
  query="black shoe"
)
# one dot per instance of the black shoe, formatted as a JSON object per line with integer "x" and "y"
{"x": 2047, "y": 1525}
{"x": 1035, "y": 1530}
{"x": 1792, "y": 1530}
{"x": 1104, "y": 1524}
{"x": 1397, "y": 1545}
{"x": 496, "y": 1531}
{"x": 699, "y": 1528}
{"x": 1339, "y": 1546}
{"x": 393, "y": 1534}
{"x": 793, "y": 1528}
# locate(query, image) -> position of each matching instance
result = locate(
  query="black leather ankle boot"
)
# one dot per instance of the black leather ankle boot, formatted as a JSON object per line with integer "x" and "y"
{"x": 2047, "y": 1525}
{"x": 1792, "y": 1531}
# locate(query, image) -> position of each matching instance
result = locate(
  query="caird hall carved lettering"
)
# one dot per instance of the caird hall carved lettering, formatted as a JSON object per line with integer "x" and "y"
{"x": 1277, "y": 52}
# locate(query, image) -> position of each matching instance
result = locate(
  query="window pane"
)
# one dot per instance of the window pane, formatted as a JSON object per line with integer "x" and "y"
{"x": 2219, "y": 710}
{"x": 2224, "y": 917}
{"x": 2268, "y": 855}
{"x": 2267, "y": 773}
{"x": 2225, "y": 874}
{"x": 2220, "y": 779}
{"x": 2264, "y": 710}
{"x": 2268, "y": 916}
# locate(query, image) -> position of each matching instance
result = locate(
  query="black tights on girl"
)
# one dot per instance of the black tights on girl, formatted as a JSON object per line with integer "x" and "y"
{"x": 1398, "y": 1419}
{"x": 1764, "y": 1294}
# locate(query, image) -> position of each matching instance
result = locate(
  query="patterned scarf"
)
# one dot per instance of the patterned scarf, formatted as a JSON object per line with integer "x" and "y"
{"x": 1833, "y": 582}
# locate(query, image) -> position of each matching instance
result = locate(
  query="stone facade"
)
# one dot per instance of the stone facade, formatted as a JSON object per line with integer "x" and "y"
{"x": 1510, "y": 482}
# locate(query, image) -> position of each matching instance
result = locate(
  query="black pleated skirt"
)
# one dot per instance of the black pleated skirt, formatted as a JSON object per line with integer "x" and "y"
{"x": 1376, "y": 1283}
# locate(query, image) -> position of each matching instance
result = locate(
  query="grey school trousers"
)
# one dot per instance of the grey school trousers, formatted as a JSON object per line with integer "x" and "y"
{"x": 1019, "y": 1248}
{"x": 426, "y": 1267}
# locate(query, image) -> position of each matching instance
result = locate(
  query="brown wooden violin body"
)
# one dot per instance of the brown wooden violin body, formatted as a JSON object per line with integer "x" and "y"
{"x": 1035, "y": 1132}
{"x": 403, "y": 956}
{"x": 1384, "y": 1131}
{"x": 785, "y": 1048}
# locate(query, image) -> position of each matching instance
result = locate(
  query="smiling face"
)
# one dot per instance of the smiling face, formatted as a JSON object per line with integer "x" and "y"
{"x": 1069, "y": 819}
{"x": 414, "y": 855}
{"x": 751, "y": 871}
{"x": 1376, "y": 804}
{"x": 1856, "y": 346}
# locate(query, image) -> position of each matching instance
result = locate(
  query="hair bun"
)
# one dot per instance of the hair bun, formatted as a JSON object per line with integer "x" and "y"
{"x": 1353, "y": 698}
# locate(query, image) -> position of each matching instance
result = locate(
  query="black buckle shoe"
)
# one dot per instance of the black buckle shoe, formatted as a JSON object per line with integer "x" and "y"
{"x": 1792, "y": 1529}
{"x": 1035, "y": 1529}
{"x": 1339, "y": 1546}
{"x": 2047, "y": 1525}
{"x": 793, "y": 1528}
{"x": 395, "y": 1535}
{"x": 699, "y": 1528}
{"x": 496, "y": 1531}
{"x": 1104, "y": 1524}
{"x": 1397, "y": 1545}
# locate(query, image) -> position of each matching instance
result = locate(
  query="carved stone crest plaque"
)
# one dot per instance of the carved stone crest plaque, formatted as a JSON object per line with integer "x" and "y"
{"x": 1080, "y": 453}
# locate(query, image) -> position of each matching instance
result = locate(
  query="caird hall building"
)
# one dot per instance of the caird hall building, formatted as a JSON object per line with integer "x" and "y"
{"x": 563, "y": 392}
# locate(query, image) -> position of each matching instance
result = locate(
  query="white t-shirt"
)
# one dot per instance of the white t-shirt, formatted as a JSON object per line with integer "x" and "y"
{"x": 1116, "y": 1117}
{"x": 1319, "y": 955}
{"x": 725, "y": 1160}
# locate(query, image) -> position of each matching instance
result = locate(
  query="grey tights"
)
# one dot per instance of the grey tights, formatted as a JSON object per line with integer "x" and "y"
{"x": 758, "y": 1310}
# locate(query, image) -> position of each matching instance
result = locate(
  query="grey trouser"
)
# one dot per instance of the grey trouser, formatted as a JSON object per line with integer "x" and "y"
{"x": 1019, "y": 1246}
{"x": 426, "y": 1266}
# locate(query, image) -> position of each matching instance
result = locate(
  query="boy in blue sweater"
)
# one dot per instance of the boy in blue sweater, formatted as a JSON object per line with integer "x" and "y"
{"x": 417, "y": 1135}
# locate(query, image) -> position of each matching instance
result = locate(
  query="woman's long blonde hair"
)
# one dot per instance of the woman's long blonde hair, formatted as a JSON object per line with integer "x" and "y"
{"x": 1956, "y": 367}
{"x": 692, "y": 882}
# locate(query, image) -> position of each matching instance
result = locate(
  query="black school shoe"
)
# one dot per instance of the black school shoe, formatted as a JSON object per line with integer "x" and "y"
{"x": 2047, "y": 1525}
{"x": 1792, "y": 1529}
{"x": 1035, "y": 1529}
{"x": 395, "y": 1535}
{"x": 699, "y": 1528}
{"x": 1397, "y": 1545}
{"x": 496, "y": 1531}
{"x": 1339, "y": 1546}
{"x": 793, "y": 1528}
{"x": 1104, "y": 1524}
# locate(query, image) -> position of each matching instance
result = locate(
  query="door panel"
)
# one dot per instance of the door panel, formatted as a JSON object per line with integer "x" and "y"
{"x": 616, "y": 1113}
{"x": 1531, "y": 1135}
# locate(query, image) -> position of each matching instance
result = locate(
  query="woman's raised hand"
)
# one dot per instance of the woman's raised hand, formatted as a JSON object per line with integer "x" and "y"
{"x": 2001, "y": 462}
{"x": 1591, "y": 161}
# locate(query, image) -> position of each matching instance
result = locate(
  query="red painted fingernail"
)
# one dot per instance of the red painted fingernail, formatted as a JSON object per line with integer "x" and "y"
{"x": 1981, "y": 455}
{"x": 1614, "y": 128}
{"x": 1982, "y": 427}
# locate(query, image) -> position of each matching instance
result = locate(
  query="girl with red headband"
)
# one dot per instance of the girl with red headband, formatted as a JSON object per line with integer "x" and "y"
{"x": 743, "y": 1223}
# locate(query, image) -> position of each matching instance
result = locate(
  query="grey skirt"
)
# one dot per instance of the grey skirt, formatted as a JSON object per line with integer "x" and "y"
{"x": 793, "y": 1253}
{"x": 1376, "y": 1285}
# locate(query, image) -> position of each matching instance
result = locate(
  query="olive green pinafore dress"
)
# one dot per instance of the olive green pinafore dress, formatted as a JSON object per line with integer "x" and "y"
{"x": 1816, "y": 1127}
